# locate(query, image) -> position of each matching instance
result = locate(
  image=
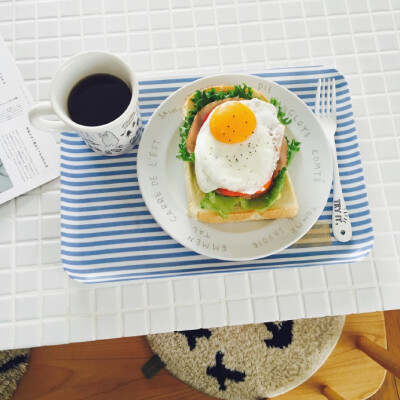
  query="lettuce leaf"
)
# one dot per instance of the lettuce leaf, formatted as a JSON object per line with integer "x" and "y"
{"x": 293, "y": 148}
{"x": 223, "y": 205}
{"x": 280, "y": 113}
{"x": 263, "y": 202}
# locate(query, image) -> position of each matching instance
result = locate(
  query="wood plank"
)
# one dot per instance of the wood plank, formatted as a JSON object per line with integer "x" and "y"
{"x": 347, "y": 361}
{"x": 330, "y": 394}
{"x": 380, "y": 355}
{"x": 392, "y": 319}
{"x": 391, "y": 387}
{"x": 101, "y": 370}
{"x": 388, "y": 390}
{"x": 111, "y": 369}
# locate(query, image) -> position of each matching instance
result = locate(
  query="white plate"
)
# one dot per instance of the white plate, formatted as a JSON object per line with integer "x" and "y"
{"x": 161, "y": 178}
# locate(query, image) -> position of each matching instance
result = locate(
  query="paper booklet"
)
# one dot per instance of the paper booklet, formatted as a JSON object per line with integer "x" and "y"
{"x": 28, "y": 157}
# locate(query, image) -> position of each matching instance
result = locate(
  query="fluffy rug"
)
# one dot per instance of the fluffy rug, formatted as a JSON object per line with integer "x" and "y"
{"x": 249, "y": 362}
{"x": 13, "y": 365}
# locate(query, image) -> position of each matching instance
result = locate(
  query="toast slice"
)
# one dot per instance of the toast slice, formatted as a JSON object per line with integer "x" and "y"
{"x": 285, "y": 206}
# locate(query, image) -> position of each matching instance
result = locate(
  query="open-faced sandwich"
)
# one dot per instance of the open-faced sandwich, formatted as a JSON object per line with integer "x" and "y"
{"x": 236, "y": 156}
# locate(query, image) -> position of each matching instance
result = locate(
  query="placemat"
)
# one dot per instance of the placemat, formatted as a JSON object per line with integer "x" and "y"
{"x": 109, "y": 235}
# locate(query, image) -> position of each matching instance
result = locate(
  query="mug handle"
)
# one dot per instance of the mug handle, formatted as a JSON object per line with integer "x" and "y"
{"x": 36, "y": 117}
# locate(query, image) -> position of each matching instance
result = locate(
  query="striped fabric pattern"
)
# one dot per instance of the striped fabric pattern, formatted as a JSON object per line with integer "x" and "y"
{"x": 109, "y": 235}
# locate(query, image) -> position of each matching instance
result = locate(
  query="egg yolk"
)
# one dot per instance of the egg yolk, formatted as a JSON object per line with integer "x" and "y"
{"x": 232, "y": 122}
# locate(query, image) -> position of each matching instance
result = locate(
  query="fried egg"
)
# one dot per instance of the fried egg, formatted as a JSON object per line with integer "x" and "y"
{"x": 238, "y": 147}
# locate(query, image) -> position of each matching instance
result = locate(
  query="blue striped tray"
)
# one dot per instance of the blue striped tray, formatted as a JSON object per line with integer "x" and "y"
{"x": 109, "y": 235}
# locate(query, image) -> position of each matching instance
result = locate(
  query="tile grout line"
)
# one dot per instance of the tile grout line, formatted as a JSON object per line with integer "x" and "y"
{"x": 359, "y": 69}
{"x": 119, "y": 311}
{"x": 172, "y": 305}
{"x": 276, "y": 296}
{"x": 195, "y": 71}
{"x": 14, "y": 245}
{"x": 127, "y": 33}
{"x": 285, "y": 38}
{"x": 39, "y": 208}
{"x": 259, "y": 22}
{"x": 198, "y": 302}
{"x": 81, "y": 26}
{"x": 58, "y": 190}
{"x": 327, "y": 290}
{"x": 151, "y": 44}
{"x": 206, "y": 7}
{"x": 302, "y": 301}
{"x": 28, "y": 40}
{"x": 352, "y": 288}
{"x": 249, "y": 298}
{"x": 195, "y": 35}
{"x": 303, "y": 11}
{"x": 103, "y": 23}
{"x": 146, "y": 305}
{"x": 238, "y": 24}
{"x": 42, "y": 316}
{"x": 93, "y": 314}
{"x": 223, "y": 299}
{"x": 119, "y": 288}
{"x": 220, "y": 66}
{"x": 174, "y": 47}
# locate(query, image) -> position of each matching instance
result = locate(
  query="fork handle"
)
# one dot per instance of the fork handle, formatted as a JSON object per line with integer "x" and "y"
{"x": 341, "y": 225}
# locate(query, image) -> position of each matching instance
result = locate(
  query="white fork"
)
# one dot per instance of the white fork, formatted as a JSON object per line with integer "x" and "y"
{"x": 325, "y": 110}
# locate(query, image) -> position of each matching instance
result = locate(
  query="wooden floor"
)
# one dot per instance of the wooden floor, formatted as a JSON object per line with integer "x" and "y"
{"x": 111, "y": 369}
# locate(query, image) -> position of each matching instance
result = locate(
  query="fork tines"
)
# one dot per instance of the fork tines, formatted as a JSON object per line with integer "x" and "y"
{"x": 325, "y": 100}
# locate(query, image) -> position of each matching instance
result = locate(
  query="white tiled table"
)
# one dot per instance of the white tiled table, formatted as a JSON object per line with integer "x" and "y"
{"x": 39, "y": 305}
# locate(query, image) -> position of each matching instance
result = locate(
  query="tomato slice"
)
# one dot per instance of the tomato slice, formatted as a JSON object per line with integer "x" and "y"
{"x": 205, "y": 119}
{"x": 264, "y": 188}
{"x": 226, "y": 192}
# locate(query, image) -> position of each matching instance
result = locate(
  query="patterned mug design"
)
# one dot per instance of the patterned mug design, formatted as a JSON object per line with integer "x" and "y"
{"x": 115, "y": 138}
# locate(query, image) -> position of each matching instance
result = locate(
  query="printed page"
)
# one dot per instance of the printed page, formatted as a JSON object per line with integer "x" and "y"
{"x": 28, "y": 157}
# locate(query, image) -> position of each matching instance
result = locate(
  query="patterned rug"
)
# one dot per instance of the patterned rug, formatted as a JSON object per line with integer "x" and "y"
{"x": 248, "y": 362}
{"x": 13, "y": 365}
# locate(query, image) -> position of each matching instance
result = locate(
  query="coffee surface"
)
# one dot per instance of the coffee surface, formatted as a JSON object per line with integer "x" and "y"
{"x": 98, "y": 99}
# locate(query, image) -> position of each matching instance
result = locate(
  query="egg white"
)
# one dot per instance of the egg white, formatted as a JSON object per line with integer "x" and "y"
{"x": 241, "y": 167}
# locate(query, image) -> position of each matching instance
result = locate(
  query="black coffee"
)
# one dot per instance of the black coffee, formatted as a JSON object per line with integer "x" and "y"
{"x": 98, "y": 99}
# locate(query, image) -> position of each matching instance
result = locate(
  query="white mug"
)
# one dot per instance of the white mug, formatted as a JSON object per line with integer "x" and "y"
{"x": 114, "y": 138}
